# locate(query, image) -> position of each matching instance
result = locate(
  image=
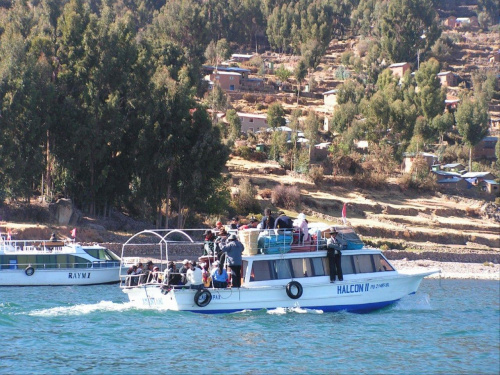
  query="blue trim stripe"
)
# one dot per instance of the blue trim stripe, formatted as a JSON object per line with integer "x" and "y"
{"x": 359, "y": 309}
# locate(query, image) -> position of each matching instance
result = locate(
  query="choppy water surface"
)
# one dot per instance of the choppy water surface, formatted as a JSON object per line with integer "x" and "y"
{"x": 448, "y": 327}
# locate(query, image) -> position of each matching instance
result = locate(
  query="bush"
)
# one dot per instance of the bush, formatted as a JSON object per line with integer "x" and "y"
{"x": 269, "y": 99}
{"x": 260, "y": 107}
{"x": 266, "y": 193}
{"x": 286, "y": 196}
{"x": 245, "y": 200}
{"x": 316, "y": 174}
{"x": 250, "y": 98}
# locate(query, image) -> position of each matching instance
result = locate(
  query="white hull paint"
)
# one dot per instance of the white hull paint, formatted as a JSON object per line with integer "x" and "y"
{"x": 73, "y": 276}
{"x": 356, "y": 294}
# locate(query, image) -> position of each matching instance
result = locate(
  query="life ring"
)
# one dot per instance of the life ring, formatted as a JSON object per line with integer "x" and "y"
{"x": 294, "y": 289}
{"x": 29, "y": 271}
{"x": 202, "y": 297}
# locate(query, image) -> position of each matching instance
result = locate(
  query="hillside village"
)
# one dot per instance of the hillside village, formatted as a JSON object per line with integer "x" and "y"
{"x": 249, "y": 81}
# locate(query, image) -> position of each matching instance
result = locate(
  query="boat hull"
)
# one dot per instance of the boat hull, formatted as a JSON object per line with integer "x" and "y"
{"x": 359, "y": 295}
{"x": 69, "y": 276}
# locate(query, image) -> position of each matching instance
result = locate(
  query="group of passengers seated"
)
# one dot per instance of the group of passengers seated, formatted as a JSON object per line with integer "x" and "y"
{"x": 139, "y": 275}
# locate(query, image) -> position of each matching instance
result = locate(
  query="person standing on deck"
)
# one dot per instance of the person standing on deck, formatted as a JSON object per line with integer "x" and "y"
{"x": 233, "y": 250}
{"x": 334, "y": 256}
{"x": 267, "y": 221}
{"x": 283, "y": 222}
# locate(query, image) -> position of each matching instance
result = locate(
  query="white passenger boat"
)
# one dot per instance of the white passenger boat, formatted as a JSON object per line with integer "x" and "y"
{"x": 39, "y": 263}
{"x": 297, "y": 276}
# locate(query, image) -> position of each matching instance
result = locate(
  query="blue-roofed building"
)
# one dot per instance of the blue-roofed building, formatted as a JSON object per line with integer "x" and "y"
{"x": 489, "y": 186}
{"x": 453, "y": 183}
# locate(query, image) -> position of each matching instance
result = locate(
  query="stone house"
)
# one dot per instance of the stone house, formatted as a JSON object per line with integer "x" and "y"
{"x": 330, "y": 99}
{"x": 489, "y": 186}
{"x": 252, "y": 122}
{"x": 486, "y": 148}
{"x": 399, "y": 69}
{"x": 447, "y": 78}
{"x": 409, "y": 158}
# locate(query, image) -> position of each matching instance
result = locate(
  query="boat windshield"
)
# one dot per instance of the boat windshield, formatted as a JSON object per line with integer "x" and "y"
{"x": 102, "y": 254}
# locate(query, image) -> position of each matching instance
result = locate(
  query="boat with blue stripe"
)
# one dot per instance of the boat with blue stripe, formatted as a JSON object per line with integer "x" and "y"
{"x": 297, "y": 276}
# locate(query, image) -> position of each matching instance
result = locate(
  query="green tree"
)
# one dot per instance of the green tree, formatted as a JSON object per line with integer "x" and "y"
{"x": 402, "y": 26}
{"x": 276, "y": 115}
{"x": 234, "y": 124}
{"x": 283, "y": 73}
{"x": 472, "y": 122}
{"x": 300, "y": 73}
{"x": 431, "y": 95}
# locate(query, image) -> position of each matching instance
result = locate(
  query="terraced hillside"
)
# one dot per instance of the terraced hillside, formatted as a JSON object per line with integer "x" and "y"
{"x": 452, "y": 226}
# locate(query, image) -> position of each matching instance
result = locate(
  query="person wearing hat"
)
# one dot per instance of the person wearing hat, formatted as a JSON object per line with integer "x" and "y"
{"x": 251, "y": 225}
{"x": 283, "y": 222}
{"x": 301, "y": 225}
{"x": 171, "y": 275}
{"x": 334, "y": 256}
{"x": 147, "y": 274}
{"x": 233, "y": 250}
{"x": 235, "y": 223}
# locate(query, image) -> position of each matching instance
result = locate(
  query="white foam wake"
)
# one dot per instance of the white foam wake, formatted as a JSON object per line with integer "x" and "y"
{"x": 295, "y": 309}
{"x": 102, "y": 306}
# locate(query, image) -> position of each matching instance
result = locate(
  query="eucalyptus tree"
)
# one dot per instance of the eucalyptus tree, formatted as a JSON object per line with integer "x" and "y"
{"x": 406, "y": 27}
{"x": 431, "y": 95}
{"x": 27, "y": 97}
{"x": 98, "y": 56}
{"x": 472, "y": 121}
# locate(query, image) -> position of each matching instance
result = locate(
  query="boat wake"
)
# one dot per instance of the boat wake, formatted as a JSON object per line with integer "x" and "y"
{"x": 103, "y": 306}
{"x": 419, "y": 301}
{"x": 295, "y": 309}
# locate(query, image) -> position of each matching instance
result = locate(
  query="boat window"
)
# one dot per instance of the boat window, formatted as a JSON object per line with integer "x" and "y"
{"x": 347, "y": 265}
{"x": 364, "y": 263}
{"x": 282, "y": 269}
{"x": 43, "y": 261}
{"x": 260, "y": 271}
{"x": 101, "y": 254}
{"x": 381, "y": 264}
{"x": 319, "y": 266}
{"x": 301, "y": 267}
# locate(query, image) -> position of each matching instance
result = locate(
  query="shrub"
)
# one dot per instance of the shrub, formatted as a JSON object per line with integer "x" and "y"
{"x": 245, "y": 200}
{"x": 250, "y": 98}
{"x": 269, "y": 99}
{"x": 286, "y": 196}
{"x": 259, "y": 156}
{"x": 266, "y": 193}
{"x": 316, "y": 174}
{"x": 260, "y": 107}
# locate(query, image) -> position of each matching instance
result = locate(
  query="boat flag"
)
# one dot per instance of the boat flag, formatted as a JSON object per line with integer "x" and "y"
{"x": 9, "y": 235}
{"x": 344, "y": 214}
{"x": 73, "y": 233}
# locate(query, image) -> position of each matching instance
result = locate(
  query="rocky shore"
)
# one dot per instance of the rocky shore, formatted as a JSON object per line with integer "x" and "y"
{"x": 453, "y": 270}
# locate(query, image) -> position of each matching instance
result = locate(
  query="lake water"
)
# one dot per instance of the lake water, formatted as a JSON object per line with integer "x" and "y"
{"x": 448, "y": 327}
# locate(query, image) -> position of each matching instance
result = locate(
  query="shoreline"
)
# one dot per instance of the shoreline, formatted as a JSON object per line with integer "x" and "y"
{"x": 452, "y": 270}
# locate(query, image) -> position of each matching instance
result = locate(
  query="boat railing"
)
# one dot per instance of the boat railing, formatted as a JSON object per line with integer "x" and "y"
{"x": 44, "y": 246}
{"x": 75, "y": 266}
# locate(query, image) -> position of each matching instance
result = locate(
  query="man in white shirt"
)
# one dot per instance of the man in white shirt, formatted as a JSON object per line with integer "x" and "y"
{"x": 194, "y": 277}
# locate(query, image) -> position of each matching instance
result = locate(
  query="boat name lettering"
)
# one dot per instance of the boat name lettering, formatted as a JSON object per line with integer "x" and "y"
{"x": 79, "y": 275}
{"x": 377, "y": 286}
{"x": 353, "y": 288}
{"x": 152, "y": 301}
{"x": 215, "y": 296}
